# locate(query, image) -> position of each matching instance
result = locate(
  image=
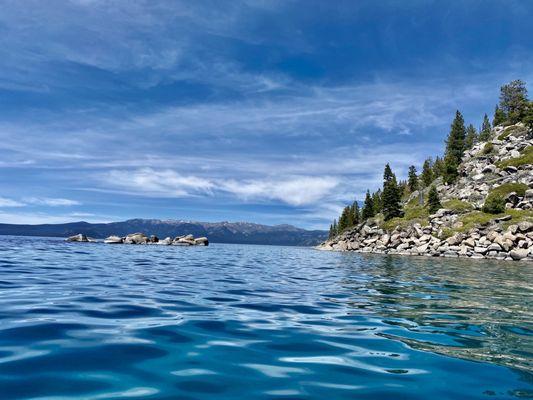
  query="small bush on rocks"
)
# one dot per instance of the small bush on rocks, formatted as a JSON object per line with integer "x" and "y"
{"x": 494, "y": 204}
{"x": 488, "y": 148}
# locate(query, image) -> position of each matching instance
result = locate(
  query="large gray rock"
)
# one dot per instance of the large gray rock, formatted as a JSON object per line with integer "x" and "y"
{"x": 136, "y": 238}
{"x": 518, "y": 254}
{"x": 525, "y": 226}
{"x": 165, "y": 242}
{"x": 114, "y": 240}
{"x": 77, "y": 238}
{"x": 201, "y": 241}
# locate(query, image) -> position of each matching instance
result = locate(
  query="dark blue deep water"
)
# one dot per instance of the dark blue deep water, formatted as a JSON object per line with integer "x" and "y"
{"x": 95, "y": 321}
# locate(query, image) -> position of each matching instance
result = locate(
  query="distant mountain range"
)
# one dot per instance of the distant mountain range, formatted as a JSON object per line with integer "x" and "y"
{"x": 217, "y": 232}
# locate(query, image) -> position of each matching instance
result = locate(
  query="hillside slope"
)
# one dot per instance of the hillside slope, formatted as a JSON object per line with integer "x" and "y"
{"x": 502, "y": 166}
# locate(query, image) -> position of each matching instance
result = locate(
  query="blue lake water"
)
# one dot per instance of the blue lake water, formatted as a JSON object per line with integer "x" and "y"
{"x": 95, "y": 321}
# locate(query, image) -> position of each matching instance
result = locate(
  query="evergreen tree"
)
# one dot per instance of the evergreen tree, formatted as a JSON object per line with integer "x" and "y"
{"x": 349, "y": 217}
{"x": 438, "y": 167}
{"x": 376, "y": 201}
{"x": 412, "y": 182}
{"x": 427, "y": 173}
{"x": 433, "y": 200}
{"x": 344, "y": 220}
{"x": 368, "y": 207}
{"x": 356, "y": 214}
{"x": 391, "y": 197}
{"x": 499, "y": 117}
{"x": 455, "y": 146}
{"x": 332, "y": 232}
{"x": 471, "y": 137}
{"x": 402, "y": 188}
{"x": 335, "y": 228}
{"x": 484, "y": 134}
{"x": 513, "y": 100}
{"x": 528, "y": 119}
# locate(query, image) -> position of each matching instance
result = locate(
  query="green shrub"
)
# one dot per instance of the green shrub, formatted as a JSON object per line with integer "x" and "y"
{"x": 458, "y": 206}
{"x": 494, "y": 204}
{"x": 506, "y": 188}
{"x": 488, "y": 148}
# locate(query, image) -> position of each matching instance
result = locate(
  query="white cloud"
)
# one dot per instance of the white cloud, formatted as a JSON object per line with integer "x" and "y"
{"x": 296, "y": 191}
{"x": 51, "y": 202}
{"x": 5, "y": 202}
{"x": 292, "y": 190}
{"x": 46, "y": 218}
{"x": 164, "y": 183}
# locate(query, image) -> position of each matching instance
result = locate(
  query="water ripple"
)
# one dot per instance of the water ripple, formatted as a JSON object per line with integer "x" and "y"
{"x": 89, "y": 321}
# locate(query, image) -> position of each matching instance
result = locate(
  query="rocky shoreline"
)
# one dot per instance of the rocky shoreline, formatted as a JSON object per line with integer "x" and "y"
{"x": 142, "y": 239}
{"x": 500, "y": 166}
{"x": 490, "y": 241}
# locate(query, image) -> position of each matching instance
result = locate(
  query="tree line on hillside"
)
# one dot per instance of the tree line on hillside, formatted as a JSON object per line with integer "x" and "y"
{"x": 513, "y": 107}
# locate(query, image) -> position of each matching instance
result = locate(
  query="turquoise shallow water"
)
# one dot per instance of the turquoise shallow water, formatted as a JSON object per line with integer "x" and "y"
{"x": 95, "y": 321}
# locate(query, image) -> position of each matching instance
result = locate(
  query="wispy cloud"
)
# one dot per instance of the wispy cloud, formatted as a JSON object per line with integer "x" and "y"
{"x": 52, "y": 202}
{"x": 293, "y": 190}
{"x": 4, "y": 202}
{"x": 150, "y": 182}
{"x": 39, "y": 201}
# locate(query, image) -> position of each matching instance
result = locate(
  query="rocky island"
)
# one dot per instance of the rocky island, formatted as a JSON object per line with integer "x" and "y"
{"x": 477, "y": 201}
{"x": 141, "y": 238}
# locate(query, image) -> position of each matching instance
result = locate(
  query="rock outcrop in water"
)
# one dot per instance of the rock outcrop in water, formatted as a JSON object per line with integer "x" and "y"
{"x": 500, "y": 166}
{"x": 80, "y": 238}
{"x": 140, "y": 238}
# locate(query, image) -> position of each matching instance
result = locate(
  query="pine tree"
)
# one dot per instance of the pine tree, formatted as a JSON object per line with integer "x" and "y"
{"x": 332, "y": 233}
{"x": 412, "y": 181}
{"x": 438, "y": 167}
{"x": 484, "y": 133}
{"x": 402, "y": 188}
{"x": 499, "y": 117}
{"x": 471, "y": 137}
{"x": 427, "y": 172}
{"x": 455, "y": 146}
{"x": 335, "y": 228}
{"x": 368, "y": 207}
{"x": 376, "y": 201}
{"x": 356, "y": 214}
{"x": 349, "y": 217}
{"x": 433, "y": 203}
{"x": 344, "y": 220}
{"x": 513, "y": 100}
{"x": 391, "y": 197}
{"x": 528, "y": 119}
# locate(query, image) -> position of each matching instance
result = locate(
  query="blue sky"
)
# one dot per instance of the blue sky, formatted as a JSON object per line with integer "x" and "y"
{"x": 262, "y": 111}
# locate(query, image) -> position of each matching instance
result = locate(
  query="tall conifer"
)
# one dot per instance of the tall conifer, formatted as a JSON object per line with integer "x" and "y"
{"x": 356, "y": 213}
{"x": 368, "y": 207}
{"x": 433, "y": 200}
{"x": 376, "y": 201}
{"x": 391, "y": 197}
{"x": 455, "y": 146}
{"x": 513, "y": 100}
{"x": 427, "y": 172}
{"x": 412, "y": 181}
{"x": 499, "y": 116}
{"x": 471, "y": 137}
{"x": 484, "y": 134}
